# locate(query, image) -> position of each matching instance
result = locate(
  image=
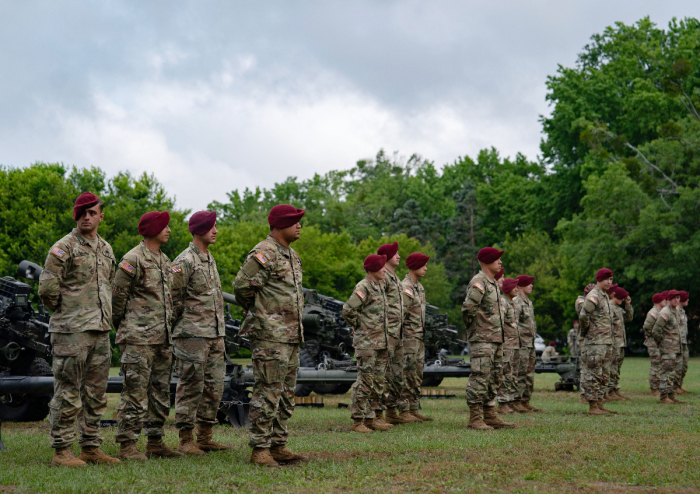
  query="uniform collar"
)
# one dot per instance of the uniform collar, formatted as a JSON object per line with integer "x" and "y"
{"x": 150, "y": 255}
{"x": 280, "y": 246}
{"x": 83, "y": 239}
{"x": 371, "y": 281}
{"x": 202, "y": 256}
{"x": 415, "y": 284}
{"x": 493, "y": 282}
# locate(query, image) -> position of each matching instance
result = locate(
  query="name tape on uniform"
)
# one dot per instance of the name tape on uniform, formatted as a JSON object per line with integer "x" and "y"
{"x": 58, "y": 252}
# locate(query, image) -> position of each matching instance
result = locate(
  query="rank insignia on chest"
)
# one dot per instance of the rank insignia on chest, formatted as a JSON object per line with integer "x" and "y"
{"x": 177, "y": 269}
{"x": 361, "y": 294}
{"x": 261, "y": 258}
{"x": 479, "y": 286}
{"x": 664, "y": 317}
{"x": 58, "y": 252}
{"x": 408, "y": 292}
{"x": 126, "y": 267}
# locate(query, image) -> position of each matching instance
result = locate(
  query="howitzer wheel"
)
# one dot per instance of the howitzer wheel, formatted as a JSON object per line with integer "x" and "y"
{"x": 431, "y": 382}
{"x": 238, "y": 415}
{"x": 28, "y": 408}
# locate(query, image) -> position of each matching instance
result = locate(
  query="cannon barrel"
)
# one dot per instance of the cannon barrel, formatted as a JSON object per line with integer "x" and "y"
{"x": 230, "y": 299}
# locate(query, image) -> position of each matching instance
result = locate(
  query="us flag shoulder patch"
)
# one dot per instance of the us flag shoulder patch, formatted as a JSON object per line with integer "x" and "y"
{"x": 408, "y": 292}
{"x": 593, "y": 299}
{"x": 479, "y": 286}
{"x": 126, "y": 267}
{"x": 664, "y": 317}
{"x": 653, "y": 315}
{"x": 177, "y": 269}
{"x": 58, "y": 252}
{"x": 261, "y": 258}
{"x": 361, "y": 294}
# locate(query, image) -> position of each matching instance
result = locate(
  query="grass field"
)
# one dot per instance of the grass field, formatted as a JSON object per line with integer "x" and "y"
{"x": 646, "y": 447}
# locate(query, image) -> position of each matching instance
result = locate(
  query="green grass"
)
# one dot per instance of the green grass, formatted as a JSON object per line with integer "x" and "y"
{"x": 647, "y": 446}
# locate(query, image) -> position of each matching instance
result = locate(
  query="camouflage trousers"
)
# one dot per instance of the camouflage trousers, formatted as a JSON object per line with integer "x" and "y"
{"x": 367, "y": 389}
{"x": 414, "y": 360}
{"x": 145, "y": 399}
{"x": 526, "y": 372}
{"x": 486, "y": 373}
{"x": 618, "y": 357}
{"x": 654, "y": 366}
{"x": 671, "y": 364}
{"x": 581, "y": 365}
{"x": 393, "y": 379}
{"x": 686, "y": 356}
{"x": 275, "y": 369}
{"x": 80, "y": 372}
{"x": 595, "y": 374}
{"x": 508, "y": 391}
{"x": 200, "y": 366}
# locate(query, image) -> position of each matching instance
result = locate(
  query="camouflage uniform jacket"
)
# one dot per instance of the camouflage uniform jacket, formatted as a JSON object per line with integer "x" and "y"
{"x": 143, "y": 305}
{"x": 413, "y": 295}
{"x": 596, "y": 318}
{"x": 366, "y": 311}
{"x": 649, "y": 325}
{"x": 393, "y": 289}
{"x": 667, "y": 331}
{"x": 268, "y": 287}
{"x": 684, "y": 326}
{"x": 76, "y": 284}
{"x": 198, "y": 300}
{"x": 511, "y": 335}
{"x": 481, "y": 310}
{"x": 579, "y": 305}
{"x": 525, "y": 317}
{"x": 622, "y": 316}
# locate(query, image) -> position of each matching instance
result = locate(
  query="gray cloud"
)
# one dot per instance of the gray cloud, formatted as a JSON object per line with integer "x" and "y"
{"x": 213, "y": 96}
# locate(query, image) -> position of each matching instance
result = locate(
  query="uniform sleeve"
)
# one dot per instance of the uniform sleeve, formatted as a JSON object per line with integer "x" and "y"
{"x": 629, "y": 312}
{"x": 55, "y": 268}
{"x": 253, "y": 275}
{"x": 182, "y": 271}
{"x": 648, "y": 325}
{"x": 122, "y": 287}
{"x": 584, "y": 317}
{"x": 353, "y": 307}
{"x": 471, "y": 305}
{"x": 657, "y": 329}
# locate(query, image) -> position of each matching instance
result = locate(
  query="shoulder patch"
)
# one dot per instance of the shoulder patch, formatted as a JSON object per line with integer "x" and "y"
{"x": 177, "y": 269}
{"x": 126, "y": 267}
{"x": 664, "y": 317}
{"x": 408, "y": 292}
{"x": 360, "y": 294}
{"x": 58, "y": 252}
{"x": 593, "y": 299}
{"x": 479, "y": 286}
{"x": 261, "y": 258}
{"x": 653, "y": 315}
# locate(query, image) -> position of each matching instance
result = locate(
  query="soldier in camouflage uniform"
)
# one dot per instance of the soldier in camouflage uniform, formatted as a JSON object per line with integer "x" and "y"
{"x": 527, "y": 328}
{"x": 581, "y": 341}
{"x": 684, "y": 341}
{"x": 667, "y": 335}
{"x": 483, "y": 316}
{"x": 619, "y": 341}
{"x": 366, "y": 311}
{"x": 75, "y": 285}
{"x": 414, "y": 303}
{"x": 393, "y": 380}
{"x": 268, "y": 287}
{"x": 508, "y": 392}
{"x": 596, "y": 323}
{"x": 142, "y": 316}
{"x": 198, "y": 337}
{"x": 659, "y": 301}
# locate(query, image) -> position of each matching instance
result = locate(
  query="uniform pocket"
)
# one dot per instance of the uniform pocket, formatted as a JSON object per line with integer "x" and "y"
{"x": 65, "y": 350}
{"x": 266, "y": 365}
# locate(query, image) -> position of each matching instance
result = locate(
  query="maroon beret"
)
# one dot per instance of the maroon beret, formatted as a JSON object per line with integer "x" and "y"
{"x": 664, "y": 294}
{"x": 657, "y": 298}
{"x": 672, "y": 293}
{"x": 524, "y": 280}
{"x": 552, "y": 343}
{"x": 499, "y": 275}
{"x": 588, "y": 289}
{"x": 612, "y": 288}
{"x": 201, "y": 222}
{"x": 416, "y": 260}
{"x": 621, "y": 293}
{"x": 603, "y": 274}
{"x": 684, "y": 296}
{"x": 509, "y": 284}
{"x": 284, "y": 215}
{"x": 151, "y": 224}
{"x": 84, "y": 201}
{"x": 374, "y": 262}
{"x": 388, "y": 250}
{"x": 487, "y": 255}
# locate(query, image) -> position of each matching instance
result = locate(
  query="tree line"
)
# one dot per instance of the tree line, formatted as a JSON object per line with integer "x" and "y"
{"x": 617, "y": 185}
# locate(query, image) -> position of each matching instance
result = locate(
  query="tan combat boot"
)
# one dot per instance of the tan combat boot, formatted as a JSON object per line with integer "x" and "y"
{"x": 605, "y": 410}
{"x": 262, "y": 457}
{"x": 475, "y": 421}
{"x": 666, "y": 400}
{"x": 376, "y": 426}
{"x": 517, "y": 405}
{"x": 408, "y": 417}
{"x": 392, "y": 417}
{"x": 672, "y": 396}
{"x": 620, "y": 396}
{"x": 93, "y": 454}
{"x": 64, "y": 457}
{"x": 526, "y": 404}
{"x": 655, "y": 392}
{"x": 503, "y": 409}
{"x": 358, "y": 425}
{"x": 156, "y": 448}
{"x": 205, "y": 441}
{"x": 594, "y": 410}
{"x": 421, "y": 417}
{"x": 583, "y": 400}
{"x": 493, "y": 420}
{"x": 380, "y": 419}
{"x": 683, "y": 391}
{"x": 129, "y": 451}
{"x": 187, "y": 445}
{"x": 282, "y": 455}
{"x": 612, "y": 396}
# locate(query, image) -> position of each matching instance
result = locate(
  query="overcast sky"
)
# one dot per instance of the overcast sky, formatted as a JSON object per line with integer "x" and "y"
{"x": 215, "y": 96}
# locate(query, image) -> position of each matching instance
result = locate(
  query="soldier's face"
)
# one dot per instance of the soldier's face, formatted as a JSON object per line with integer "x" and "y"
{"x": 291, "y": 233}
{"x": 209, "y": 237}
{"x": 664, "y": 303}
{"x": 606, "y": 284}
{"x": 675, "y": 301}
{"x": 90, "y": 220}
{"x": 527, "y": 289}
{"x": 500, "y": 283}
{"x": 394, "y": 261}
{"x": 163, "y": 236}
{"x": 420, "y": 272}
{"x": 381, "y": 274}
